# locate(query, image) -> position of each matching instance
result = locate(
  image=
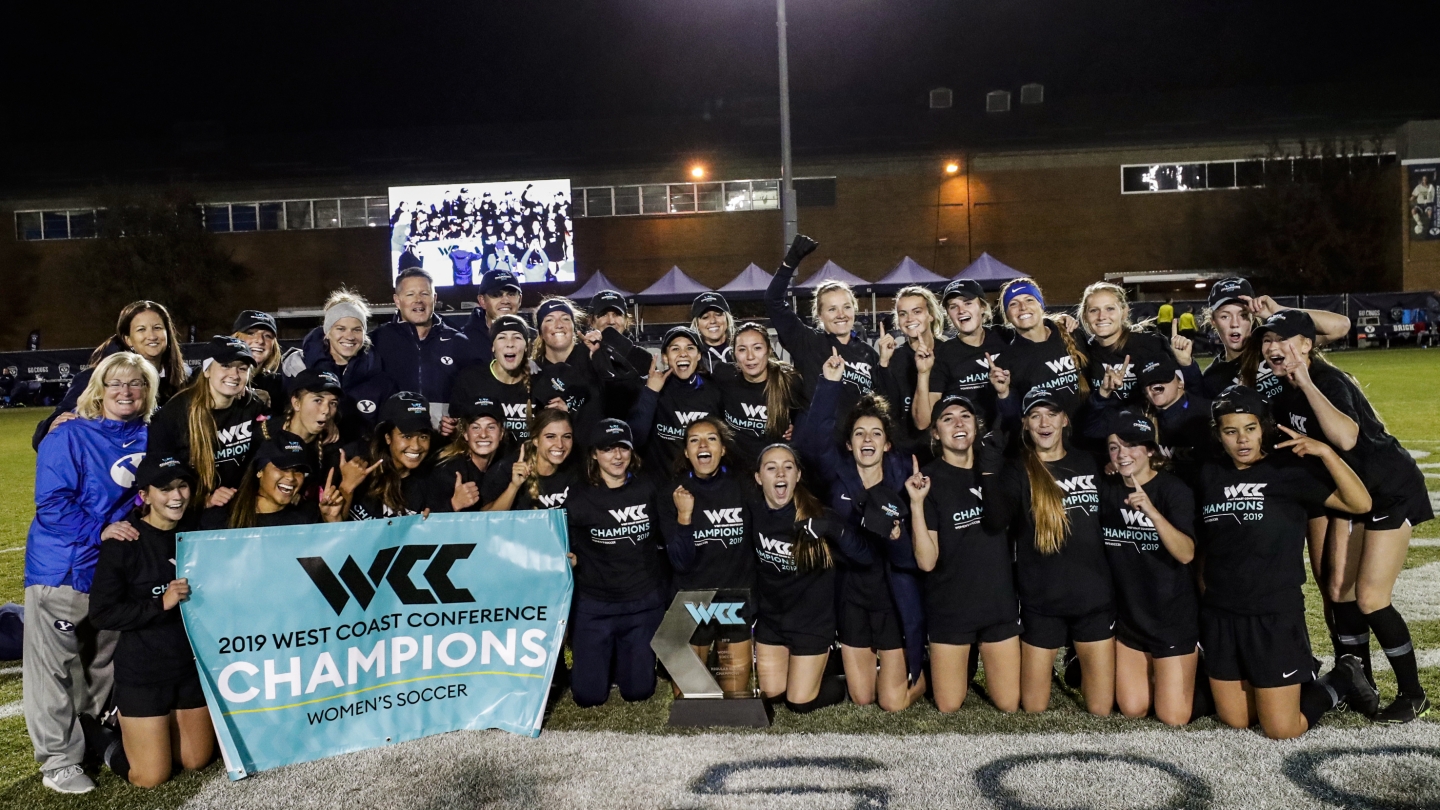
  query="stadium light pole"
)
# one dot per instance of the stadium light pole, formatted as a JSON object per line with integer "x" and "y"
{"x": 787, "y": 171}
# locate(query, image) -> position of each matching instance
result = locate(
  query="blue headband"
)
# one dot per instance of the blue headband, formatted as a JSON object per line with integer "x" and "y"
{"x": 553, "y": 305}
{"x": 1022, "y": 288}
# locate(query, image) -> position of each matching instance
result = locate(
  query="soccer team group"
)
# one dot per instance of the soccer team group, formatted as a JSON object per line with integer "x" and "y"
{"x": 985, "y": 483}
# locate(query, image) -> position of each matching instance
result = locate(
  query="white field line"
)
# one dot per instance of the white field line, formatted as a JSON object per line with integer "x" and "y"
{"x": 8, "y": 550}
{"x": 8, "y": 710}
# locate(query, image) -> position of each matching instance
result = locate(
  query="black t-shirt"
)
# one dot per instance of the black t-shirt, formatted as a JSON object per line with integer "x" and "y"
{"x": 440, "y": 484}
{"x": 746, "y": 408}
{"x": 413, "y": 487}
{"x": 1043, "y": 365}
{"x": 554, "y": 489}
{"x": 961, "y": 369}
{"x": 304, "y": 513}
{"x": 1253, "y": 531}
{"x": 679, "y": 403}
{"x": 479, "y": 381}
{"x": 973, "y": 583}
{"x": 717, "y": 549}
{"x": 236, "y": 434}
{"x": 792, "y": 600}
{"x": 130, "y": 583}
{"x": 1140, "y": 347}
{"x": 1075, "y": 580}
{"x": 616, "y": 540}
{"x": 1222, "y": 374}
{"x": 1377, "y": 456}
{"x": 1154, "y": 592}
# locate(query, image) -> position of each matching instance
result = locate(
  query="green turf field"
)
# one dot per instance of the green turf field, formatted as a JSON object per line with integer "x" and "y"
{"x": 1400, "y": 382}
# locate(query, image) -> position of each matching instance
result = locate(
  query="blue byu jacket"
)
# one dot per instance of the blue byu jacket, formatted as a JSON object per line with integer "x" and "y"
{"x": 427, "y": 367}
{"x": 84, "y": 480}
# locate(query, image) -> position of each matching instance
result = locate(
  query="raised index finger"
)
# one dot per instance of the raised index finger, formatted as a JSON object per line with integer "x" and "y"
{"x": 915, "y": 461}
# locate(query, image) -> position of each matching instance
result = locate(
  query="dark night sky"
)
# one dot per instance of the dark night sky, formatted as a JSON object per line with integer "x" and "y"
{"x": 98, "y": 71}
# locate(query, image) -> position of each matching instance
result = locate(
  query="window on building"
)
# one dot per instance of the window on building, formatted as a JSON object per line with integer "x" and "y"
{"x": 83, "y": 225}
{"x": 272, "y": 216}
{"x": 1220, "y": 174}
{"x": 654, "y": 200}
{"x": 298, "y": 215}
{"x": 627, "y": 200}
{"x": 327, "y": 213}
{"x": 217, "y": 218}
{"x": 243, "y": 217}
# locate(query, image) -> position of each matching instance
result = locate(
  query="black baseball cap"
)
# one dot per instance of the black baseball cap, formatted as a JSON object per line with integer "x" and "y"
{"x": 254, "y": 318}
{"x": 1239, "y": 399}
{"x": 1132, "y": 427}
{"x": 611, "y": 433}
{"x": 407, "y": 411}
{"x": 224, "y": 349}
{"x": 607, "y": 300}
{"x": 510, "y": 323}
{"x": 481, "y": 406}
{"x": 313, "y": 380}
{"x": 1040, "y": 396}
{"x": 161, "y": 471}
{"x": 952, "y": 399}
{"x": 1288, "y": 323}
{"x": 560, "y": 380}
{"x": 706, "y": 301}
{"x": 494, "y": 281}
{"x": 1157, "y": 371}
{"x": 679, "y": 332}
{"x": 284, "y": 450}
{"x": 963, "y": 287}
{"x": 1229, "y": 291}
{"x": 883, "y": 506}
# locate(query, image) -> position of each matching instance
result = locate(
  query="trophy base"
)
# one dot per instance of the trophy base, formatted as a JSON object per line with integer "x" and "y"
{"x": 739, "y": 712}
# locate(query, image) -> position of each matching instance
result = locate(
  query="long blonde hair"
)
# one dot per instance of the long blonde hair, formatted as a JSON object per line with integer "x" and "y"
{"x": 1047, "y": 502}
{"x": 1119, "y": 292}
{"x": 91, "y": 404}
{"x": 938, "y": 318}
{"x": 200, "y": 423}
{"x": 530, "y": 450}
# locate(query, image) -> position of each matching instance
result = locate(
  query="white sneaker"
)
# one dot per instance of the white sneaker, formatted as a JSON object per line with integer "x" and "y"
{"x": 70, "y": 779}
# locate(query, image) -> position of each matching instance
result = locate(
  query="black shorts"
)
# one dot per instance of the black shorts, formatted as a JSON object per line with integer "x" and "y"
{"x": 940, "y": 631}
{"x": 797, "y": 642}
{"x": 1268, "y": 651}
{"x": 1399, "y": 498}
{"x": 1051, "y": 632}
{"x": 870, "y": 629}
{"x": 158, "y": 700}
{"x": 1168, "y": 645}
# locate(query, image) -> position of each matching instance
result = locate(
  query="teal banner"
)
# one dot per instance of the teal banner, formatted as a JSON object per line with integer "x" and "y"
{"x": 319, "y": 640}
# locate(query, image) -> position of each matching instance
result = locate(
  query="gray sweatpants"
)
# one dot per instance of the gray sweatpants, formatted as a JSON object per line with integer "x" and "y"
{"x": 67, "y": 672}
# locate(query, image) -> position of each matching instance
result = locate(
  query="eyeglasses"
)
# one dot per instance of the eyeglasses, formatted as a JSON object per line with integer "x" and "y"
{"x": 134, "y": 385}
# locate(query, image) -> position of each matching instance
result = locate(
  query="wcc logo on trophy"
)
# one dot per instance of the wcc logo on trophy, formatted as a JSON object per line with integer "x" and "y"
{"x": 717, "y": 622}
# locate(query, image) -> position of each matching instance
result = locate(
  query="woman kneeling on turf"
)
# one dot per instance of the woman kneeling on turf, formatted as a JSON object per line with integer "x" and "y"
{"x": 1147, "y": 517}
{"x": 163, "y": 719}
{"x": 1254, "y": 506}
{"x": 970, "y": 592}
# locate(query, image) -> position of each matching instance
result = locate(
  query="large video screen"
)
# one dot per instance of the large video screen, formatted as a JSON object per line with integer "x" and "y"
{"x": 457, "y": 231}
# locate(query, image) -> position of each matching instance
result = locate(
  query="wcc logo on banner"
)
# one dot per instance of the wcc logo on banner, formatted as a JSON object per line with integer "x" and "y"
{"x": 319, "y": 640}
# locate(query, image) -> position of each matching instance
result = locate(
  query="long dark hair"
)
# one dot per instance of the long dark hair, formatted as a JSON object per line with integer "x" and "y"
{"x": 782, "y": 383}
{"x": 243, "y": 512}
{"x": 171, "y": 363}
{"x": 386, "y": 483}
{"x": 811, "y": 551}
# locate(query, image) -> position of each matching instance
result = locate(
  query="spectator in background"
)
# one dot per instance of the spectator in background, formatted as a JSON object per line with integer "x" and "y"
{"x": 499, "y": 294}
{"x": 1187, "y": 324}
{"x": 83, "y": 484}
{"x": 144, "y": 327}
{"x": 418, "y": 351}
{"x": 1166, "y": 315}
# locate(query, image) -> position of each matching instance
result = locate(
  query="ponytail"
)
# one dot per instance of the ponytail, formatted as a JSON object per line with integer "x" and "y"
{"x": 1047, "y": 503}
{"x": 782, "y": 384}
{"x": 812, "y": 553}
{"x": 200, "y": 424}
{"x": 1077, "y": 356}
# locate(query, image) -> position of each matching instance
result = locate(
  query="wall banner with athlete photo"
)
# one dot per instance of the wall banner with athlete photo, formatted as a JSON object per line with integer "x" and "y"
{"x": 1422, "y": 211}
{"x": 457, "y": 231}
{"x": 320, "y": 640}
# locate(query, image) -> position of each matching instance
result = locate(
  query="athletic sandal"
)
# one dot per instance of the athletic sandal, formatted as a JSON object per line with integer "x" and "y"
{"x": 71, "y": 779}
{"x": 1404, "y": 709}
{"x": 1356, "y": 693}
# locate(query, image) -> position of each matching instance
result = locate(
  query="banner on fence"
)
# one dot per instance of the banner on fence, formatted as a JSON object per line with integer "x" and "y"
{"x": 318, "y": 640}
{"x": 1424, "y": 219}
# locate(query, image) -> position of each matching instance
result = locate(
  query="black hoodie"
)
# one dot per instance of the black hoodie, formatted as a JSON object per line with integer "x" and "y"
{"x": 616, "y": 541}
{"x": 237, "y": 433}
{"x": 717, "y": 549}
